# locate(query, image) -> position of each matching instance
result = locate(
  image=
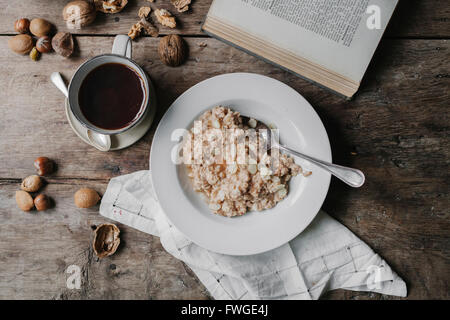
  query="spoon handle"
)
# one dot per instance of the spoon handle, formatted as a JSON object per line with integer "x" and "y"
{"x": 353, "y": 177}
{"x": 59, "y": 83}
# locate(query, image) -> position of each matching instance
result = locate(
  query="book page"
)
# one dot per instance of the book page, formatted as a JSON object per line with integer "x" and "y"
{"x": 331, "y": 33}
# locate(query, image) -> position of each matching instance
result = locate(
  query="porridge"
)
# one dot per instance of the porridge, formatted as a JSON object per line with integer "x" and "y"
{"x": 234, "y": 184}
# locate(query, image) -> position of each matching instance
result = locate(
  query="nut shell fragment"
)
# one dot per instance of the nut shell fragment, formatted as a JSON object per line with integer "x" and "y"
{"x": 181, "y": 5}
{"x": 144, "y": 12}
{"x": 143, "y": 25}
{"x": 24, "y": 200}
{"x": 165, "y": 18}
{"x": 106, "y": 240}
{"x": 31, "y": 183}
{"x": 86, "y": 198}
{"x": 63, "y": 44}
{"x": 110, "y": 6}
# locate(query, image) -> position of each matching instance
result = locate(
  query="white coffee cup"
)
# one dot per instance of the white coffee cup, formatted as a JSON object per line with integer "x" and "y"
{"x": 121, "y": 53}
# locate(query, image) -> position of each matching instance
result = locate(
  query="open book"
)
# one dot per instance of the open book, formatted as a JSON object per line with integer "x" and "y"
{"x": 330, "y": 42}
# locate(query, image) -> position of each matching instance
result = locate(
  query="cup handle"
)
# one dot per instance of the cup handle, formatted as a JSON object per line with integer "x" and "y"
{"x": 122, "y": 46}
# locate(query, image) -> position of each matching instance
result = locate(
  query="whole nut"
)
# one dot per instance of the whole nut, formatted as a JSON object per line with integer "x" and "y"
{"x": 79, "y": 14}
{"x": 31, "y": 183}
{"x": 86, "y": 198}
{"x": 63, "y": 44}
{"x": 44, "y": 166}
{"x": 22, "y": 43}
{"x": 172, "y": 50}
{"x": 34, "y": 54}
{"x": 22, "y": 25}
{"x": 44, "y": 44}
{"x": 24, "y": 200}
{"x": 42, "y": 202}
{"x": 40, "y": 27}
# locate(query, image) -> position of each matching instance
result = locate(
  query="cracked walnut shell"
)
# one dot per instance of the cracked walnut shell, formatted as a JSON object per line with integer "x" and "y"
{"x": 110, "y": 6}
{"x": 106, "y": 240}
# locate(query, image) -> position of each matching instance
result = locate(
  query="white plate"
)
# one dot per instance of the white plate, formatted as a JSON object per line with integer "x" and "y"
{"x": 300, "y": 128}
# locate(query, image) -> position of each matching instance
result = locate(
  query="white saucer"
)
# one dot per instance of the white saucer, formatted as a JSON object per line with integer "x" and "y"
{"x": 118, "y": 141}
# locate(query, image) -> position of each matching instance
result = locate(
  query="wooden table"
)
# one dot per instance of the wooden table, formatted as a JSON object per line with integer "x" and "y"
{"x": 396, "y": 130}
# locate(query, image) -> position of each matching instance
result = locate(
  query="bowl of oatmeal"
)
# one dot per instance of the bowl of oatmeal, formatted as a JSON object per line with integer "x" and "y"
{"x": 235, "y": 184}
{"x": 228, "y": 196}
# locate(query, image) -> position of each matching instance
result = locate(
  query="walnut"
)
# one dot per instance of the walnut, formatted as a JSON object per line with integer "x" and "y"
{"x": 144, "y": 12}
{"x": 106, "y": 240}
{"x": 145, "y": 25}
{"x": 181, "y": 5}
{"x": 79, "y": 14}
{"x": 110, "y": 6}
{"x": 165, "y": 18}
{"x": 172, "y": 50}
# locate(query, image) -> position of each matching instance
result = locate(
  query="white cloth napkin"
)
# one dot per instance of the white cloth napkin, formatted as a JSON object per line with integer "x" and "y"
{"x": 323, "y": 257}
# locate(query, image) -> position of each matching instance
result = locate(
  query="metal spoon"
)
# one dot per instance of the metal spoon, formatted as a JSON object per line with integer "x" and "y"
{"x": 100, "y": 141}
{"x": 353, "y": 177}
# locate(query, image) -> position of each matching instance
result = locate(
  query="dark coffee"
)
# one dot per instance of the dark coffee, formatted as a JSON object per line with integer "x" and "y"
{"x": 111, "y": 96}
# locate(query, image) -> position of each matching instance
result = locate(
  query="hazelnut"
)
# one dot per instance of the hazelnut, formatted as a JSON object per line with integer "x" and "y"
{"x": 42, "y": 202}
{"x": 34, "y": 54}
{"x": 86, "y": 198}
{"x": 79, "y": 14}
{"x": 24, "y": 200}
{"x": 172, "y": 50}
{"x": 44, "y": 44}
{"x": 22, "y": 43}
{"x": 44, "y": 166}
{"x": 63, "y": 44}
{"x": 31, "y": 184}
{"x": 40, "y": 27}
{"x": 22, "y": 25}
{"x": 106, "y": 240}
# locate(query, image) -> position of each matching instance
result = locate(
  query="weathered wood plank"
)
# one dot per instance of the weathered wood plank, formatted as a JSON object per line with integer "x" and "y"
{"x": 38, "y": 247}
{"x": 414, "y": 18}
{"x": 396, "y": 130}
{"x": 390, "y": 107}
